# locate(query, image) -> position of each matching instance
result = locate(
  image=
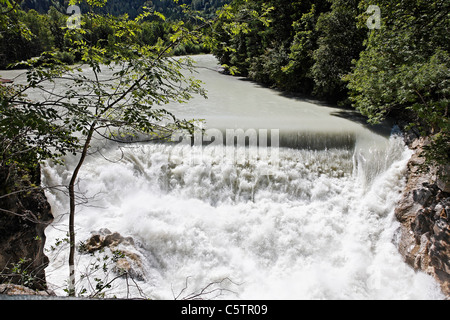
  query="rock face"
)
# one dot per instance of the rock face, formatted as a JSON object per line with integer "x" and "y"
{"x": 424, "y": 215}
{"x": 24, "y": 215}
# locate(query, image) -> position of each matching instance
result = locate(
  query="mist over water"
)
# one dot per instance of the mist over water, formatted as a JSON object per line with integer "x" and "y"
{"x": 317, "y": 224}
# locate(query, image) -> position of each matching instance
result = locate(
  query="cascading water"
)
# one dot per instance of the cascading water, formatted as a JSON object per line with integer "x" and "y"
{"x": 318, "y": 225}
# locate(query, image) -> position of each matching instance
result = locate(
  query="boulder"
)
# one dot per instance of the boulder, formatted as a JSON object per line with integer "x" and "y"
{"x": 130, "y": 262}
{"x": 105, "y": 238}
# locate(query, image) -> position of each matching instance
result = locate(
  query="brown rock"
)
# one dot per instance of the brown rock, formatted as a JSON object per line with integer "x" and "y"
{"x": 104, "y": 238}
{"x": 443, "y": 179}
{"x": 14, "y": 290}
{"x": 424, "y": 239}
{"x": 130, "y": 264}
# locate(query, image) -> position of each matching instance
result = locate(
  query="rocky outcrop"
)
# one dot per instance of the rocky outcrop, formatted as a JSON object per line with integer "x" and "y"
{"x": 24, "y": 215}
{"x": 129, "y": 263}
{"x": 424, "y": 215}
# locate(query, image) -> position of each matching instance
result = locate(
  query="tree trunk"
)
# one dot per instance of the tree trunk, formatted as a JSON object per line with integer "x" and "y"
{"x": 72, "y": 210}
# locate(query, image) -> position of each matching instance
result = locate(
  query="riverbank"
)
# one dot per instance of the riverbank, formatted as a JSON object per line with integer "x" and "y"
{"x": 423, "y": 212}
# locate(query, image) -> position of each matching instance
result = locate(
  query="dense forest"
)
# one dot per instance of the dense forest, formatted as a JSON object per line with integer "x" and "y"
{"x": 169, "y": 8}
{"x": 41, "y": 25}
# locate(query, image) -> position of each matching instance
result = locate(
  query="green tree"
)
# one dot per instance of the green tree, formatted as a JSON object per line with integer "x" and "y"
{"x": 237, "y": 34}
{"x": 29, "y": 132}
{"x": 303, "y": 46}
{"x": 57, "y": 21}
{"x": 14, "y": 34}
{"x": 276, "y": 50}
{"x": 42, "y": 38}
{"x": 404, "y": 70}
{"x": 121, "y": 107}
{"x": 340, "y": 42}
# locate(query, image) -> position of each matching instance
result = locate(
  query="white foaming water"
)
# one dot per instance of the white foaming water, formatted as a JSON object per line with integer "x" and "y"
{"x": 321, "y": 226}
{"x": 312, "y": 230}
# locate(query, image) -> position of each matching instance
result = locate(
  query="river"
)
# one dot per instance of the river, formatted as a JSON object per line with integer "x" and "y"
{"x": 311, "y": 217}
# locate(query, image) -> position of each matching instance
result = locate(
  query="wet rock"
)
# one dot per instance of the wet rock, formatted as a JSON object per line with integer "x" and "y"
{"x": 113, "y": 240}
{"x": 105, "y": 238}
{"x": 130, "y": 265}
{"x": 443, "y": 179}
{"x": 421, "y": 224}
{"x": 422, "y": 196}
{"x": 129, "y": 262}
{"x": 423, "y": 212}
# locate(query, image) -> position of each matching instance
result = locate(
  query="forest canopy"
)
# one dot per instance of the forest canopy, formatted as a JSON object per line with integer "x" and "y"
{"x": 132, "y": 8}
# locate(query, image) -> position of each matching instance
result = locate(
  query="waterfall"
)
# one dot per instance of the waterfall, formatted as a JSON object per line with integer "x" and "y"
{"x": 314, "y": 222}
{"x": 320, "y": 226}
